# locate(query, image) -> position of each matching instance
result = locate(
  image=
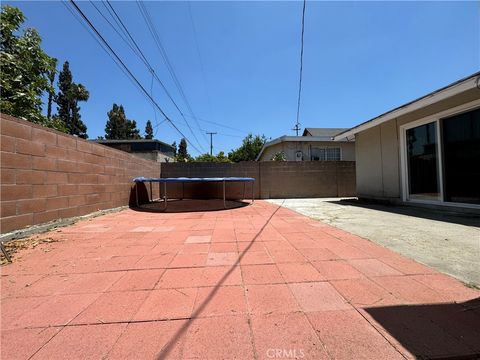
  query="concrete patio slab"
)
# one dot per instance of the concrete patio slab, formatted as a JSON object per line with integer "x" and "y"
{"x": 255, "y": 282}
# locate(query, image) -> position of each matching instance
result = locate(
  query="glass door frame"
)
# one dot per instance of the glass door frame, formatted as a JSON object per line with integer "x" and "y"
{"x": 436, "y": 118}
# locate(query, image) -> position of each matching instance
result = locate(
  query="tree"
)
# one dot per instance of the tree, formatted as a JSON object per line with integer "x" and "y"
{"x": 220, "y": 157}
{"x": 118, "y": 127}
{"x": 174, "y": 145}
{"x": 249, "y": 150}
{"x": 24, "y": 69}
{"x": 132, "y": 131}
{"x": 183, "y": 154}
{"x": 67, "y": 99}
{"x": 279, "y": 156}
{"x": 51, "y": 89}
{"x": 115, "y": 128}
{"x": 149, "y": 130}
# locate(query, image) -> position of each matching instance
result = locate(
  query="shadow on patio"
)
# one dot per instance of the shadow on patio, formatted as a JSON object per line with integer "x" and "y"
{"x": 190, "y": 205}
{"x": 434, "y": 331}
{"x": 462, "y": 218}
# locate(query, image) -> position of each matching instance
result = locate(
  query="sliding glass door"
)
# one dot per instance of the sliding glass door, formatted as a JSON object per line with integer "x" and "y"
{"x": 442, "y": 159}
{"x": 461, "y": 159}
{"x": 422, "y": 162}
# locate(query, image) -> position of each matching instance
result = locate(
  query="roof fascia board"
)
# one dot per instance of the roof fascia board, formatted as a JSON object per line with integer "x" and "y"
{"x": 427, "y": 100}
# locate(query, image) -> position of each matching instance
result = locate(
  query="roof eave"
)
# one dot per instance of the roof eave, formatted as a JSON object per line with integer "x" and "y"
{"x": 458, "y": 87}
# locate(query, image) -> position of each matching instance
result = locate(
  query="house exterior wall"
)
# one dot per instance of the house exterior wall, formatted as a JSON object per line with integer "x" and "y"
{"x": 377, "y": 150}
{"x": 290, "y": 148}
{"x": 153, "y": 156}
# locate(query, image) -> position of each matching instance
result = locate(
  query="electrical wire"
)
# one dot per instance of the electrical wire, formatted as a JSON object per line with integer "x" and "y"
{"x": 150, "y": 68}
{"x": 153, "y": 31}
{"x": 128, "y": 72}
{"x": 221, "y": 125}
{"x": 301, "y": 66}
{"x": 197, "y": 46}
{"x": 126, "y": 40}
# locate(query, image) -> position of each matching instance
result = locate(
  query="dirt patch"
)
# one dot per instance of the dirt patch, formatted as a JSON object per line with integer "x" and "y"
{"x": 14, "y": 246}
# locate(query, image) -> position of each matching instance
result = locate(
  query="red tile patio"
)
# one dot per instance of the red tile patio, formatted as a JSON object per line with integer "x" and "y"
{"x": 258, "y": 282}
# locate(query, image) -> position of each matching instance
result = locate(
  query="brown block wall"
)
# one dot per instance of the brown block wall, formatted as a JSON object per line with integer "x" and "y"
{"x": 211, "y": 190}
{"x": 47, "y": 175}
{"x": 289, "y": 179}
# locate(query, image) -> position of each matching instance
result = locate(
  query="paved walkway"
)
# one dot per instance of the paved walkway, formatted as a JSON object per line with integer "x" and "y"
{"x": 258, "y": 282}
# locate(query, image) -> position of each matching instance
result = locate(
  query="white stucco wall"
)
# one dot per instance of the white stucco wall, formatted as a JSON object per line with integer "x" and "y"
{"x": 291, "y": 147}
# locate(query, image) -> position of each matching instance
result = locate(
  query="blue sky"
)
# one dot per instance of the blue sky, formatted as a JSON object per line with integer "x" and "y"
{"x": 360, "y": 59}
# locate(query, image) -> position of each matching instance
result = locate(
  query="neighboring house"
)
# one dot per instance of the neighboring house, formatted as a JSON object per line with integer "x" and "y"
{"x": 324, "y": 132}
{"x": 146, "y": 149}
{"x": 426, "y": 151}
{"x": 316, "y": 144}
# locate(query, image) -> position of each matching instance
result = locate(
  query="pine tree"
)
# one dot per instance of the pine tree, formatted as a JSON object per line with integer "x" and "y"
{"x": 118, "y": 127}
{"x": 116, "y": 123}
{"x": 149, "y": 130}
{"x": 174, "y": 145}
{"x": 132, "y": 131}
{"x": 182, "y": 151}
{"x": 67, "y": 100}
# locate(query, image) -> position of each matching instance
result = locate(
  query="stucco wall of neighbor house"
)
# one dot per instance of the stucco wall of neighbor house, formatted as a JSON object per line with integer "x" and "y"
{"x": 153, "y": 156}
{"x": 377, "y": 150}
{"x": 291, "y": 147}
{"x": 273, "y": 179}
{"x": 47, "y": 175}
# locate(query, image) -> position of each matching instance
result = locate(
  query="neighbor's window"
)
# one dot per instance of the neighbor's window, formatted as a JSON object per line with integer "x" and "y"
{"x": 326, "y": 154}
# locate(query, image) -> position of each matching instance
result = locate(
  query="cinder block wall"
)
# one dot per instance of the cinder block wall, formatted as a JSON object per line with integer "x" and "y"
{"x": 211, "y": 190}
{"x": 288, "y": 179}
{"x": 47, "y": 175}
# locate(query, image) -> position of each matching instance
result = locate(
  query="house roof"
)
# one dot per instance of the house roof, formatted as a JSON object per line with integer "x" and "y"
{"x": 331, "y": 132}
{"x": 462, "y": 85}
{"x": 286, "y": 138}
{"x": 140, "y": 144}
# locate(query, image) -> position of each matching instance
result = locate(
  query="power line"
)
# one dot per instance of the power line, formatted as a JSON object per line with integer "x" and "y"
{"x": 297, "y": 124}
{"x": 197, "y": 46}
{"x": 90, "y": 32}
{"x": 218, "y": 133}
{"x": 128, "y": 71}
{"x": 153, "y": 31}
{"x": 221, "y": 125}
{"x": 150, "y": 68}
{"x": 111, "y": 25}
{"x": 125, "y": 39}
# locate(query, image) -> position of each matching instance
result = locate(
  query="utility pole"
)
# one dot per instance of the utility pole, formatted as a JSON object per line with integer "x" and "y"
{"x": 211, "y": 144}
{"x": 297, "y": 128}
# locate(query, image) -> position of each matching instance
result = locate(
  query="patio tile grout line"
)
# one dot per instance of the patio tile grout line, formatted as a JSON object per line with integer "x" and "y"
{"x": 348, "y": 302}
{"x": 79, "y": 313}
{"x": 62, "y": 328}
{"x": 249, "y": 317}
{"x": 184, "y": 328}
{"x": 299, "y": 306}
